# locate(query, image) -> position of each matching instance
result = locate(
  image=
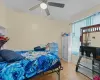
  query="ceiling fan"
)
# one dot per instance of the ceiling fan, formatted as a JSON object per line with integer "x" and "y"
{"x": 44, "y": 5}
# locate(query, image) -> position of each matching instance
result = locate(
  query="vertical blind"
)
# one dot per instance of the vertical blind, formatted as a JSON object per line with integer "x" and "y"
{"x": 91, "y": 20}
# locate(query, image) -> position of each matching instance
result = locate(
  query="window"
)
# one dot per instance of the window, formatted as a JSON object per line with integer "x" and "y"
{"x": 91, "y": 20}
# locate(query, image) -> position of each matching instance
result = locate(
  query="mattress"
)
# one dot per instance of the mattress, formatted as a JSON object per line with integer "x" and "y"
{"x": 29, "y": 67}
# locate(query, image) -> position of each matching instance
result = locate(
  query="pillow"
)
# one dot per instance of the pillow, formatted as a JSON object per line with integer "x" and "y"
{"x": 10, "y": 56}
{"x": 1, "y": 59}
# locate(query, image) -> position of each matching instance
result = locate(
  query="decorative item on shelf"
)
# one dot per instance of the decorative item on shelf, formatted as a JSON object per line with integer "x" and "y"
{"x": 3, "y": 40}
{"x": 65, "y": 34}
{"x": 96, "y": 78}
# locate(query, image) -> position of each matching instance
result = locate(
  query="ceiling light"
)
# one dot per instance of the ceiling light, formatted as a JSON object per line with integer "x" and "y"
{"x": 43, "y": 5}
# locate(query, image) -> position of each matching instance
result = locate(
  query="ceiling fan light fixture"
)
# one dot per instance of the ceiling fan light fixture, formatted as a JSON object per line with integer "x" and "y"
{"x": 43, "y": 5}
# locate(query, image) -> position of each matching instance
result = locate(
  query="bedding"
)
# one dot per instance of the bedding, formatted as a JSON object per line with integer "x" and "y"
{"x": 32, "y": 65}
{"x": 10, "y": 56}
{"x": 1, "y": 59}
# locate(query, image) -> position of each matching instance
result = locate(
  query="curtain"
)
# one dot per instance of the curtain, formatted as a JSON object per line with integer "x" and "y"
{"x": 76, "y": 36}
{"x": 96, "y": 18}
{"x": 91, "y": 20}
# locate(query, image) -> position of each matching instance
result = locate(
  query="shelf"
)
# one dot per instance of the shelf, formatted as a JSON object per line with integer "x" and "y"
{"x": 86, "y": 72}
{"x": 96, "y": 71}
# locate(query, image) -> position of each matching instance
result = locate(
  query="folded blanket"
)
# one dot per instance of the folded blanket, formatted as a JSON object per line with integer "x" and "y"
{"x": 39, "y": 48}
{"x": 13, "y": 72}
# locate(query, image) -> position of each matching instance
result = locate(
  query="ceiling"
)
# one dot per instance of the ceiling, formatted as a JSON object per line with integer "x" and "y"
{"x": 72, "y": 7}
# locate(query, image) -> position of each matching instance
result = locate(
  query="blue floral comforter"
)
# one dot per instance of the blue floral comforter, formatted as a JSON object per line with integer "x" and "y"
{"x": 28, "y": 67}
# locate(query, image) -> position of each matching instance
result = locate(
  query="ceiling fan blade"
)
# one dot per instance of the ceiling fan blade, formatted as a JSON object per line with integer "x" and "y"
{"x": 47, "y": 12}
{"x": 56, "y": 4}
{"x": 34, "y": 7}
{"x": 45, "y": 1}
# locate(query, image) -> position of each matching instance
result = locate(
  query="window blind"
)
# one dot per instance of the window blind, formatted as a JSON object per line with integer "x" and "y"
{"x": 91, "y": 20}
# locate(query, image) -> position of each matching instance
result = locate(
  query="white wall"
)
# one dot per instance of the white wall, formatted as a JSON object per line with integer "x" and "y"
{"x": 2, "y": 14}
{"x": 27, "y": 31}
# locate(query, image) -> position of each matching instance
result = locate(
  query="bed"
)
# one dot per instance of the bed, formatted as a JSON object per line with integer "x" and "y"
{"x": 35, "y": 63}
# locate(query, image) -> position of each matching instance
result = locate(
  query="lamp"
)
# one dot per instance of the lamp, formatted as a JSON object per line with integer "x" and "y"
{"x": 43, "y": 5}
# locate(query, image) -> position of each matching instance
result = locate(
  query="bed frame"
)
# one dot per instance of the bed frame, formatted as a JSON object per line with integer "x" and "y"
{"x": 56, "y": 70}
